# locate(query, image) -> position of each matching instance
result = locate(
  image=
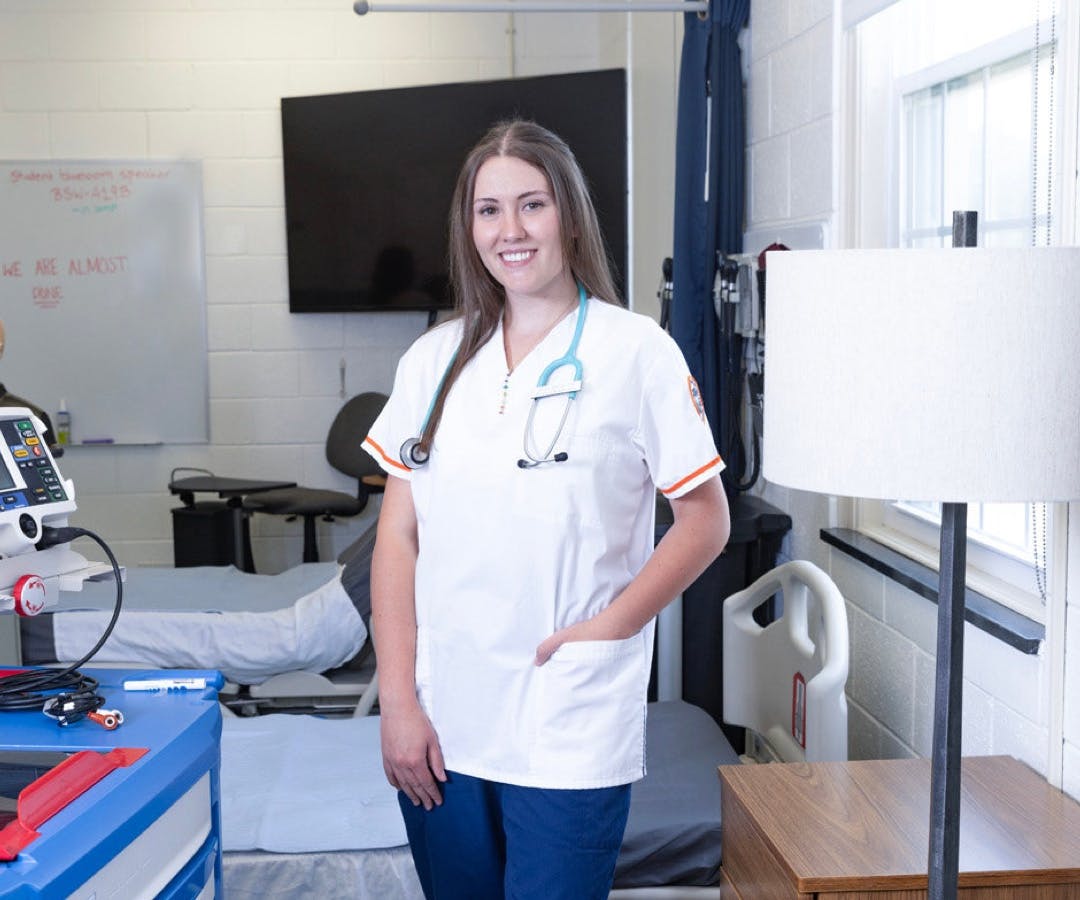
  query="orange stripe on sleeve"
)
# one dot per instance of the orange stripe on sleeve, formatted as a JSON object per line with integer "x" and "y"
{"x": 390, "y": 462}
{"x": 678, "y": 484}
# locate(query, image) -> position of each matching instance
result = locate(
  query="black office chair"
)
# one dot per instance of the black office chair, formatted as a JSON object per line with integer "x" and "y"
{"x": 344, "y": 453}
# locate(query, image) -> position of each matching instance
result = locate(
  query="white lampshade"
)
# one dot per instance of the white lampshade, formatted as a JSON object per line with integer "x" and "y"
{"x": 947, "y": 375}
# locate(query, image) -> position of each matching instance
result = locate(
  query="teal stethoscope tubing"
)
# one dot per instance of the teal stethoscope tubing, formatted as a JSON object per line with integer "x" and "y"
{"x": 414, "y": 457}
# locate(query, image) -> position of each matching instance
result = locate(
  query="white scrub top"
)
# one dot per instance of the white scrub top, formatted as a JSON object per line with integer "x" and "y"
{"x": 509, "y": 555}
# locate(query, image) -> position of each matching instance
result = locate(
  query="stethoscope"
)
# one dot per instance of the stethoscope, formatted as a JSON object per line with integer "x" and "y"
{"x": 414, "y": 456}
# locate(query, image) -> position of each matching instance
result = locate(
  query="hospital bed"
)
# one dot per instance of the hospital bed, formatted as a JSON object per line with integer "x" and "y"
{"x": 296, "y": 640}
{"x": 306, "y": 810}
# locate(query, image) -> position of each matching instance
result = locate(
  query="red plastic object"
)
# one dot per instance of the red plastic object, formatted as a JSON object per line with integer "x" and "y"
{"x": 30, "y": 596}
{"x": 40, "y": 801}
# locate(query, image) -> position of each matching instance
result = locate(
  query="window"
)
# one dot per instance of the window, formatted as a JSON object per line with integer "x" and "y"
{"x": 947, "y": 96}
{"x": 967, "y": 145}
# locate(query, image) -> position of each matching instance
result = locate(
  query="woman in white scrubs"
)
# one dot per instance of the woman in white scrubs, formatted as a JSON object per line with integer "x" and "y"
{"x": 514, "y": 583}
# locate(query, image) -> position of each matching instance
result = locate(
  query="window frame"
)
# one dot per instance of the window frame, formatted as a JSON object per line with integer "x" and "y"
{"x": 920, "y": 541}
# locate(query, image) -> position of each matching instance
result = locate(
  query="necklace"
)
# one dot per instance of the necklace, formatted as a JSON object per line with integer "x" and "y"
{"x": 525, "y": 350}
{"x": 505, "y": 389}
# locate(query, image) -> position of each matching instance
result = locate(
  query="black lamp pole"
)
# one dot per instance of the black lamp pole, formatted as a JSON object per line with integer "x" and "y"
{"x": 944, "y": 852}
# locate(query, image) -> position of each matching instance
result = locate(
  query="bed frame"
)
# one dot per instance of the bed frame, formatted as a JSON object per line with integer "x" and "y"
{"x": 783, "y": 681}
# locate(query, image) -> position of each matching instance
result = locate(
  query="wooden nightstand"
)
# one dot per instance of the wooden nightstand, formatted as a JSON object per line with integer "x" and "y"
{"x": 858, "y": 831}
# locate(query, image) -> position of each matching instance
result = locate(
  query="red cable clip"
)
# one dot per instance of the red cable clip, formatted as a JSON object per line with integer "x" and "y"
{"x": 109, "y": 719}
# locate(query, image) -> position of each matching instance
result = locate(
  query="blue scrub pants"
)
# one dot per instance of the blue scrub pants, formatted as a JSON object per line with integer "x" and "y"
{"x": 494, "y": 841}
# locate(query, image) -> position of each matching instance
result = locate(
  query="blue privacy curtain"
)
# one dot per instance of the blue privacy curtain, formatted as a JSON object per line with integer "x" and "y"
{"x": 709, "y": 189}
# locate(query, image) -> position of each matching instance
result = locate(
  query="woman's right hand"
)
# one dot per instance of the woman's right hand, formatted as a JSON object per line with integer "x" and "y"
{"x": 412, "y": 758}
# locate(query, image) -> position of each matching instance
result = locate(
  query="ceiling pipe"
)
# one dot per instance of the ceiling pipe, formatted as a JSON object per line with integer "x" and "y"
{"x": 363, "y": 7}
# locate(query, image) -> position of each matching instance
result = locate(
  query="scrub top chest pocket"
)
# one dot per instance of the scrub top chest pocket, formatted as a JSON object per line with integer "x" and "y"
{"x": 580, "y": 490}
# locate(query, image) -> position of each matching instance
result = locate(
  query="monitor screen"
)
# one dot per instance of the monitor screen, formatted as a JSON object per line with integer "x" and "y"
{"x": 369, "y": 177}
{"x": 7, "y": 481}
{"x": 12, "y": 437}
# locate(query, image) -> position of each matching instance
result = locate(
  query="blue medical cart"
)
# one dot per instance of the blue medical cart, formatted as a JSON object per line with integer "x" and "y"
{"x": 150, "y": 828}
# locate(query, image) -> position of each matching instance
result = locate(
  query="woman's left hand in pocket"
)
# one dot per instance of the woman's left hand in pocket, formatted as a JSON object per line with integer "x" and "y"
{"x": 590, "y": 630}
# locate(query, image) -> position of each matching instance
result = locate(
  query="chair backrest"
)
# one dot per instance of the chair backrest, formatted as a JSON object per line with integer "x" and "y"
{"x": 350, "y": 426}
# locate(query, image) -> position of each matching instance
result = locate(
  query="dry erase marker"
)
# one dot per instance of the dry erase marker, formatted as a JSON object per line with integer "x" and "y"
{"x": 165, "y": 684}
{"x": 97, "y": 440}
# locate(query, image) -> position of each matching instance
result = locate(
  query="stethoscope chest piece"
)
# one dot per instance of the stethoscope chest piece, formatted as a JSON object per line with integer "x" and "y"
{"x": 412, "y": 454}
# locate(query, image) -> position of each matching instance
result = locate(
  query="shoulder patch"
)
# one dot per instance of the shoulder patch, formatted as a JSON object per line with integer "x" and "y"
{"x": 695, "y": 396}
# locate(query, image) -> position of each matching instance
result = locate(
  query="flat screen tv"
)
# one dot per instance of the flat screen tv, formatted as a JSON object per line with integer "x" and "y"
{"x": 369, "y": 177}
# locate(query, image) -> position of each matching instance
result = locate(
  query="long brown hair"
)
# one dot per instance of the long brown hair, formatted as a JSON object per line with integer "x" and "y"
{"x": 478, "y": 297}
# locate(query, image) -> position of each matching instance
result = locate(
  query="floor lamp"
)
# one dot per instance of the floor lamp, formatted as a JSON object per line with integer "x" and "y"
{"x": 949, "y": 375}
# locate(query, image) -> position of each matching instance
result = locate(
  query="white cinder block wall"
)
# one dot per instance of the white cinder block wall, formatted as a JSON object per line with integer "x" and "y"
{"x": 793, "y": 157}
{"x": 203, "y": 79}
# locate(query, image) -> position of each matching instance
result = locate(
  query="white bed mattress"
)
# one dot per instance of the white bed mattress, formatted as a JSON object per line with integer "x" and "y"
{"x": 343, "y": 875}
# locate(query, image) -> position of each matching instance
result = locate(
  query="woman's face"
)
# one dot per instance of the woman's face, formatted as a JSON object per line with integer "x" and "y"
{"x": 515, "y": 227}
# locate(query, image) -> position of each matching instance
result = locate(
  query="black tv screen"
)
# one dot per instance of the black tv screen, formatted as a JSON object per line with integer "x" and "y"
{"x": 369, "y": 177}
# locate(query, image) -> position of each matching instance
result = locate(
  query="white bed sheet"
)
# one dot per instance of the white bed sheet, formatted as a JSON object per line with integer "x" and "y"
{"x": 195, "y": 623}
{"x": 292, "y": 784}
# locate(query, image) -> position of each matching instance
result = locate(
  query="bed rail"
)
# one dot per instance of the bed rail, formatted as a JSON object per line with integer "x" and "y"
{"x": 785, "y": 681}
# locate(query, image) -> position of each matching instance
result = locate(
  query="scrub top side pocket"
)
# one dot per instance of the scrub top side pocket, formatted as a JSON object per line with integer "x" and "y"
{"x": 591, "y": 713}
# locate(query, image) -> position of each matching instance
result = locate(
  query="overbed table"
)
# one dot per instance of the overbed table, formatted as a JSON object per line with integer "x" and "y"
{"x": 232, "y": 491}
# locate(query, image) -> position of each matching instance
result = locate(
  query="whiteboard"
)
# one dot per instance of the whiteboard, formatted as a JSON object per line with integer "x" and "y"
{"x": 103, "y": 296}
